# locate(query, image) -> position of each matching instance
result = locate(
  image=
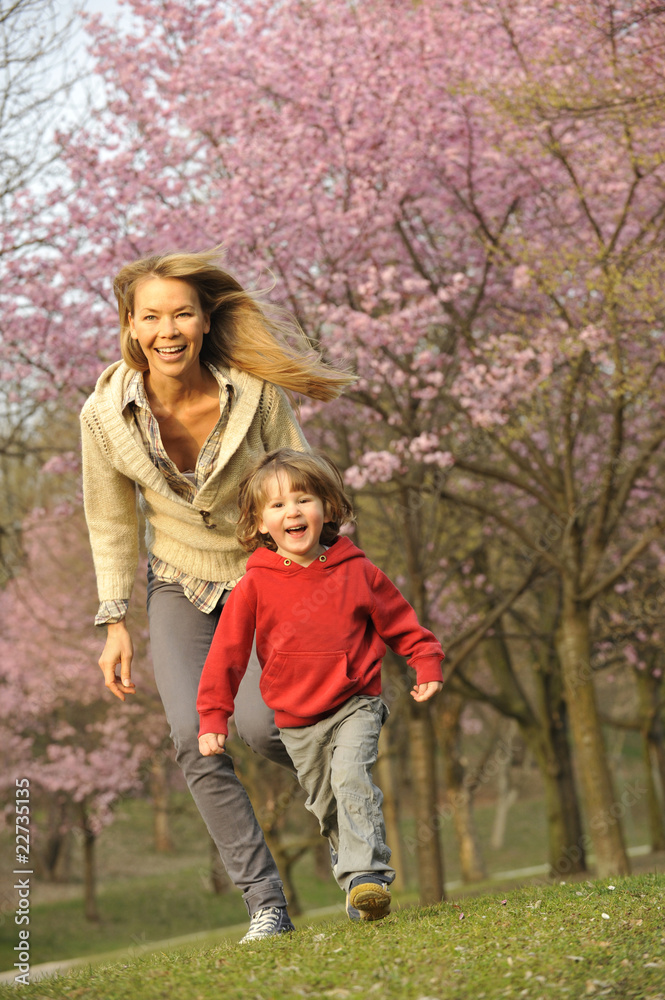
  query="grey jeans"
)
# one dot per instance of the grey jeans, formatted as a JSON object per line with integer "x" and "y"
{"x": 180, "y": 636}
{"x": 334, "y": 760}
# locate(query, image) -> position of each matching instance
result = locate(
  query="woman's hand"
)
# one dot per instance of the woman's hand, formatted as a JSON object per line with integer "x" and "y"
{"x": 212, "y": 743}
{"x": 119, "y": 649}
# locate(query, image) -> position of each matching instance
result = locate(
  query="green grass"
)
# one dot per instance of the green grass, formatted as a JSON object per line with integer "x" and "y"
{"x": 168, "y": 895}
{"x": 139, "y": 910}
{"x": 135, "y": 911}
{"x": 570, "y": 941}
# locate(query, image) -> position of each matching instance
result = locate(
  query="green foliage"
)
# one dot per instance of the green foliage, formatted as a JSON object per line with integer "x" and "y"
{"x": 579, "y": 939}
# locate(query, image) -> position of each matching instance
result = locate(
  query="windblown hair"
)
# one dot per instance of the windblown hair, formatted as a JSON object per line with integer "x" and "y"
{"x": 308, "y": 471}
{"x": 244, "y": 333}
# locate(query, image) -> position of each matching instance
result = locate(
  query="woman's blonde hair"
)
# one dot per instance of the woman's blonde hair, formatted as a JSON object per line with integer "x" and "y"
{"x": 311, "y": 472}
{"x": 259, "y": 339}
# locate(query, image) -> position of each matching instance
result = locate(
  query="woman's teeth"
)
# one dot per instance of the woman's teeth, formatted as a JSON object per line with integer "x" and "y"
{"x": 169, "y": 350}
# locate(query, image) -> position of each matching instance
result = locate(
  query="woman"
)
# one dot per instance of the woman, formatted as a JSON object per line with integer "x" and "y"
{"x": 200, "y": 393}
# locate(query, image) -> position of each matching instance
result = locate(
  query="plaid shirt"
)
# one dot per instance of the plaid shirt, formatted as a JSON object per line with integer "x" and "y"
{"x": 203, "y": 594}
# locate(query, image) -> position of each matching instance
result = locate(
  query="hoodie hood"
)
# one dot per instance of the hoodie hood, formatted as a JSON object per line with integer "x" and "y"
{"x": 342, "y": 550}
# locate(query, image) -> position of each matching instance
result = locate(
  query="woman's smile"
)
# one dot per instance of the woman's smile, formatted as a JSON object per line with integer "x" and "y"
{"x": 170, "y": 352}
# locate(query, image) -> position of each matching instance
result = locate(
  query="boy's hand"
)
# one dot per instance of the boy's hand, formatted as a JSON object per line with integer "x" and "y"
{"x": 212, "y": 743}
{"x": 423, "y": 692}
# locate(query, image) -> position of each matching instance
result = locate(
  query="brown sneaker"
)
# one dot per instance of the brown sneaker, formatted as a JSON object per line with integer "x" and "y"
{"x": 370, "y": 897}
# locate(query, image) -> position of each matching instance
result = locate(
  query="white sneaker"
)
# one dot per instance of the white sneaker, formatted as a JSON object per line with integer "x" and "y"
{"x": 267, "y": 922}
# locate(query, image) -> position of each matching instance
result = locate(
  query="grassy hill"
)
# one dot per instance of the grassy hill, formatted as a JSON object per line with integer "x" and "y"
{"x": 582, "y": 939}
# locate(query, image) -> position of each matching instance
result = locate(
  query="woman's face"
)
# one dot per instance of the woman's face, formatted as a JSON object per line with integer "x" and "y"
{"x": 169, "y": 324}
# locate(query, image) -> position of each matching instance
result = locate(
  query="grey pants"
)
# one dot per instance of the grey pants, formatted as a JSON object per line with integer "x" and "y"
{"x": 334, "y": 760}
{"x": 180, "y": 636}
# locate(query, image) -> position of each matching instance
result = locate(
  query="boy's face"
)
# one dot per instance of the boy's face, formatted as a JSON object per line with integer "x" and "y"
{"x": 294, "y": 520}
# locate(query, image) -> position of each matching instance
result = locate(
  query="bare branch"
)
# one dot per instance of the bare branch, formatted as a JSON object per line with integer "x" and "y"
{"x": 35, "y": 81}
{"x": 471, "y": 639}
{"x": 503, "y": 476}
{"x": 469, "y": 503}
{"x": 638, "y": 548}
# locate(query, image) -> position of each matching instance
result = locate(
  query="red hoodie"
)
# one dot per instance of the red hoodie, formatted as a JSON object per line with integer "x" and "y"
{"x": 320, "y": 633}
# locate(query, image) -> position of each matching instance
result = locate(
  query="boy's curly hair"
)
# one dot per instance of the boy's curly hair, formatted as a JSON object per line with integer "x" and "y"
{"x": 311, "y": 472}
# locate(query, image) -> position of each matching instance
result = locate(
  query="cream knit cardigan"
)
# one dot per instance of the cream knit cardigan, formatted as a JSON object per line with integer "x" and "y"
{"x": 198, "y": 537}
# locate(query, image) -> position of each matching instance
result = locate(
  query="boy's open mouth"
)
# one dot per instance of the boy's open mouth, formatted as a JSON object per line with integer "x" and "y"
{"x": 298, "y": 530}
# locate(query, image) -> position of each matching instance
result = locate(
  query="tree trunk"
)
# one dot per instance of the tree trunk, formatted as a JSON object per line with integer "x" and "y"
{"x": 545, "y": 731}
{"x": 285, "y": 859}
{"x": 566, "y": 853}
{"x": 572, "y": 845}
{"x": 55, "y": 859}
{"x": 507, "y": 794}
{"x": 460, "y": 794}
{"x": 420, "y": 725}
{"x": 159, "y": 793}
{"x": 651, "y": 728}
{"x": 321, "y": 852}
{"x": 422, "y": 762}
{"x": 548, "y": 741}
{"x": 654, "y": 799}
{"x": 603, "y": 812}
{"x": 89, "y": 872}
{"x": 385, "y": 779}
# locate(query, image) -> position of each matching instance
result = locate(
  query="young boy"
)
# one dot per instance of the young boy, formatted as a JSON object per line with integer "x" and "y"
{"x": 321, "y": 612}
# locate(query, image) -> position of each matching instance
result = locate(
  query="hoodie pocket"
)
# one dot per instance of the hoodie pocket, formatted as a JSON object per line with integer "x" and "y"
{"x": 305, "y": 684}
